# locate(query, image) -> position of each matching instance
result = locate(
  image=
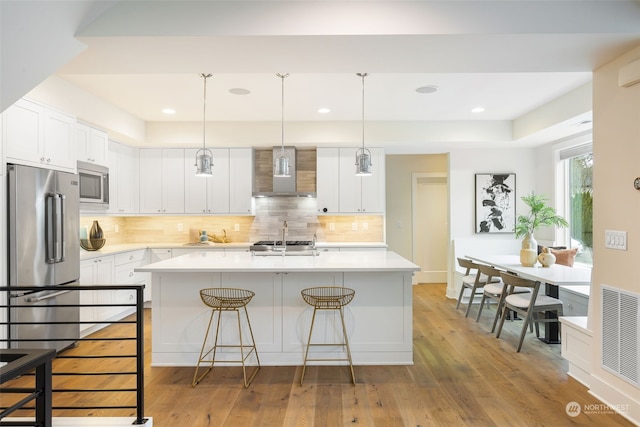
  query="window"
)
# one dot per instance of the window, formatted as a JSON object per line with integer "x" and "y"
{"x": 577, "y": 165}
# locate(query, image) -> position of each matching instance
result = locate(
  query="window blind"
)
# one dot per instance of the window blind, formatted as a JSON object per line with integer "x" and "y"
{"x": 576, "y": 151}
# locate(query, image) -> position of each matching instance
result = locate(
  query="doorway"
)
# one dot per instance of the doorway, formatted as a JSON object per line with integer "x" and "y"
{"x": 430, "y": 220}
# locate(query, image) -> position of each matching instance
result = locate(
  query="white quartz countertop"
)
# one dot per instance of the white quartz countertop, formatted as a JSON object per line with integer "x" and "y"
{"x": 352, "y": 261}
{"x": 125, "y": 247}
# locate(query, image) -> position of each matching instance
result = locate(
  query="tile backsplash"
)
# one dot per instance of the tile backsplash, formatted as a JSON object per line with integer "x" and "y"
{"x": 270, "y": 213}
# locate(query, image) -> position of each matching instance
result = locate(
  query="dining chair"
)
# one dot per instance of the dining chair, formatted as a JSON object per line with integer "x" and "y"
{"x": 495, "y": 291}
{"x": 473, "y": 279}
{"x": 529, "y": 305}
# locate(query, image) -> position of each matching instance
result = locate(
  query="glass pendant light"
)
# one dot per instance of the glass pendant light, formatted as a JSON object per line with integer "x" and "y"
{"x": 363, "y": 155}
{"x": 204, "y": 157}
{"x": 281, "y": 162}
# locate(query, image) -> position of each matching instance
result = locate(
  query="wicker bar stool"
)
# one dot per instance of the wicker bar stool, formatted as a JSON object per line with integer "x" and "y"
{"x": 328, "y": 298}
{"x": 220, "y": 300}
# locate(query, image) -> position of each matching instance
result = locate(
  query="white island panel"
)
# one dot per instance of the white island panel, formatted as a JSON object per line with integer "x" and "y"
{"x": 378, "y": 320}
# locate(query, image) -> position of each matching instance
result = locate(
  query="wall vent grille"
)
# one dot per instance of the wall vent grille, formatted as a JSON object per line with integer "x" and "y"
{"x": 621, "y": 333}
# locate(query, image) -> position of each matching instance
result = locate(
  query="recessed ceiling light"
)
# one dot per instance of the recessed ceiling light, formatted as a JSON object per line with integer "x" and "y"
{"x": 323, "y": 110}
{"x": 239, "y": 91}
{"x": 168, "y": 111}
{"x": 477, "y": 110}
{"x": 427, "y": 89}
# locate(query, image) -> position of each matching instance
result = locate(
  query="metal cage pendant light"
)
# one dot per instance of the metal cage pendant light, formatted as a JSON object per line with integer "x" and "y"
{"x": 281, "y": 162}
{"x": 363, "y": 155}
{"x": 204, "y": 156}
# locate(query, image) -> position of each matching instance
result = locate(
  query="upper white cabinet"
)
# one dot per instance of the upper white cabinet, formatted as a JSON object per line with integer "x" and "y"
{"x": 327, "y": 180}
{"x": 162, "y": 180}
{"x": 207, "y": 194}
{"x": 339, "y": 190}
{"x": 91, "y": 144}
{"x": 240, "y": 181}
{"x": 36, "y": 135}
{"x": 123, "y": 178}
{"x": 362, "y": 194}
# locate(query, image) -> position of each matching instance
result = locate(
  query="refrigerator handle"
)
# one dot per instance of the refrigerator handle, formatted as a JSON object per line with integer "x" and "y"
{"x": 62, "y": 233}
{"x": 50, "y": 228}
{"x": 46, "y": 297}
{"x": 55, "y": 238}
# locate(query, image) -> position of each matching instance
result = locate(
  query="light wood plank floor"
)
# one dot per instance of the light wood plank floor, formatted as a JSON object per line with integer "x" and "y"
{"x": 462, "y": 375}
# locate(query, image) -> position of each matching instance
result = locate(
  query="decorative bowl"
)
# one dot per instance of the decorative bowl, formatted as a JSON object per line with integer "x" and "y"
{"x": 92, "y": 244}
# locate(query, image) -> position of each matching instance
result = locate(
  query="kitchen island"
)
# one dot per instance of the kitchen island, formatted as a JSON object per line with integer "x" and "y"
{"x": 379, "y": 319}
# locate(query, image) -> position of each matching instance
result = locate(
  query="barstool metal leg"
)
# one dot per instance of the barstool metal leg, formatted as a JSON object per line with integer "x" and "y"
{"x": 345, "y": 344}
{"x": 251, "y": 349}
{"x": 202, "y": 355}
{"x": 346, "y": 341}
{"x": 243, "y": 357}
{"x": 306, "y": 353}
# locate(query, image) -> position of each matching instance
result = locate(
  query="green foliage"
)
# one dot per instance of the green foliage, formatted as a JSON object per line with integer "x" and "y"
{"x": 539, "y": 215}
{"x": 582, "y": 217}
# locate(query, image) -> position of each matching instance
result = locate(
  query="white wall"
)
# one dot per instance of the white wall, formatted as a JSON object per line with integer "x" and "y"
{"x": 88, "y": 108}
{"x": 464, "y": 164}
{"x": 616, "y": 206}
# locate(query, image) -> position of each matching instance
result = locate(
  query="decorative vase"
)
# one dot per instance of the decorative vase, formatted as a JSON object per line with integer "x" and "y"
{"x": 96, "y": 231}
{"x": 546, "y": 258}
{"x": 529, "y": 251}
{"x": 96, "y": 238}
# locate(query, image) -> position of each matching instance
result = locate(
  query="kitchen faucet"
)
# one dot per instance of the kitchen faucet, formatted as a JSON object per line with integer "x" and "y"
{"x": 285, "y": 232}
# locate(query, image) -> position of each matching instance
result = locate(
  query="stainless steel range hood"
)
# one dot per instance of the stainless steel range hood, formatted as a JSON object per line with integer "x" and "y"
{"x": 302, "y": 169}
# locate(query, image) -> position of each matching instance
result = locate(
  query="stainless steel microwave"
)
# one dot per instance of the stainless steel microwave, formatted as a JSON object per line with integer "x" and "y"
{"x": 94, "y": 186}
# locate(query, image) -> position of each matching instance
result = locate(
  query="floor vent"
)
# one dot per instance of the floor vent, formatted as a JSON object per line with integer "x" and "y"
{"x": 621, "y": 333}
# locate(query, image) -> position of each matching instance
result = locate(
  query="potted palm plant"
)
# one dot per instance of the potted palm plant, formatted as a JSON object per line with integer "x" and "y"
{"x": 539, "y": 215}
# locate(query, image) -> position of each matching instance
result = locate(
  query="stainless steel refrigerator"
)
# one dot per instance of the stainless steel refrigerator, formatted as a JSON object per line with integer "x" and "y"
{"x": 43, "y": 250}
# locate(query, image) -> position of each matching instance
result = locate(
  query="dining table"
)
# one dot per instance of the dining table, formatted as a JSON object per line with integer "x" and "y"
{"x": 554, "y": 277}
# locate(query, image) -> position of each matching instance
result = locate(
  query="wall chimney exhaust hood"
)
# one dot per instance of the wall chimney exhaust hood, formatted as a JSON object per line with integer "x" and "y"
{"x": 302, "y": 170}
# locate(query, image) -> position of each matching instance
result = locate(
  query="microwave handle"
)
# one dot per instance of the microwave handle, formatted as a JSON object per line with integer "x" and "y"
{"x": 105, "y": 188}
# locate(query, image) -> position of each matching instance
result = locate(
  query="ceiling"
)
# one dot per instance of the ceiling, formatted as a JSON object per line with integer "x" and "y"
{"x": 510, "y": 57}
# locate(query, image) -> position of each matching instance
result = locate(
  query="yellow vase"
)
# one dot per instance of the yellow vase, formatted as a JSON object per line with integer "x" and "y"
{"x": 529, "y": 251}
{"x": 528, "y": 257}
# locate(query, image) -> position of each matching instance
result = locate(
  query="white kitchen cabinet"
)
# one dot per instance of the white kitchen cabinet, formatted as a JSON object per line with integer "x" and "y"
{"x": 241, "y": 181}
{"x": 156, "y": 255}
{"x": 162, "y": 180}
{"x": 339, "y": 190}
{"x": 327, "y": 180}
{"x": 123, "y": 178}
{"x": 362, "y": 194}
{"x": 96, "y": 271}
{"x": 125, "y": 274}
{"x": 575, "y": 300}
{"x": 36, "y": 135}
{"x": 207, "y": 195}
{"x": 176, "y": 252}
{"x": 91, "y": 144}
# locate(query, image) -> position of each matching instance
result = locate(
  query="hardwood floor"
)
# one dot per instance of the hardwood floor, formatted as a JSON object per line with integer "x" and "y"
{"x": 462, "y": 375}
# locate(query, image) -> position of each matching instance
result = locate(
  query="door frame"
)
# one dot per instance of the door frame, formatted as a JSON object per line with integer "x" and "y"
{"x": 436, "y": 276}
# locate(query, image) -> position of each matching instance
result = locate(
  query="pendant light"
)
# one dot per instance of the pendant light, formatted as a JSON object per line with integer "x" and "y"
{"x": 363, "y": 155}
{"x": 281, "y": 162}
{"x": 204, "y": 157}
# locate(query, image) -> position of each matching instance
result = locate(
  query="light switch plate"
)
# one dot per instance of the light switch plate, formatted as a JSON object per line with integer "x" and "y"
{"x": 615, "y": 239}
